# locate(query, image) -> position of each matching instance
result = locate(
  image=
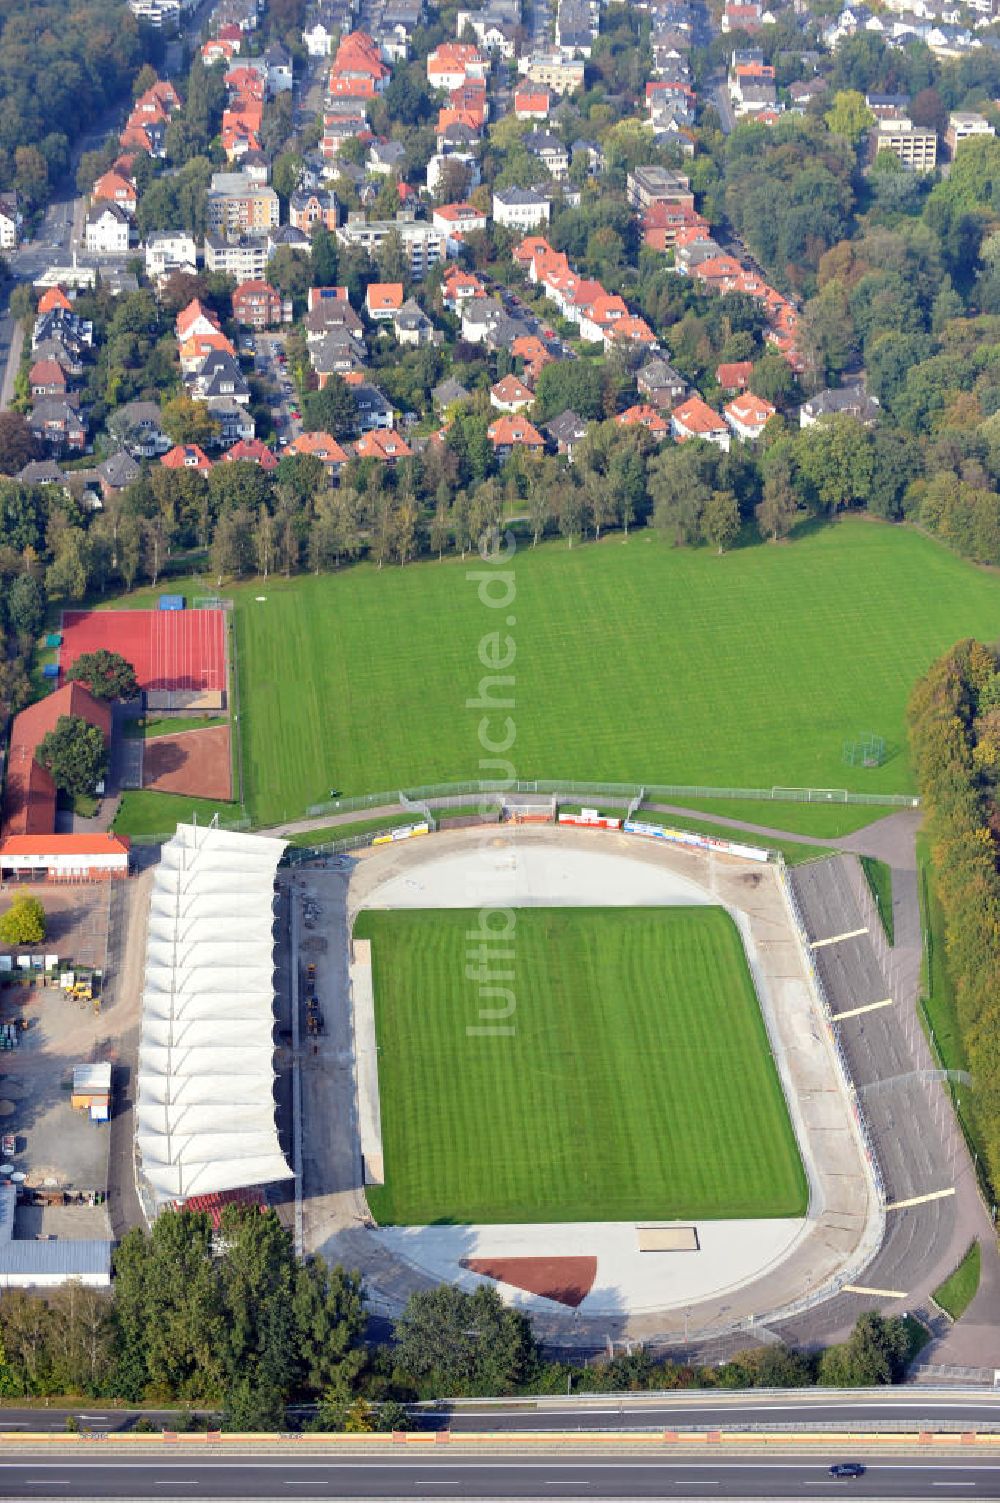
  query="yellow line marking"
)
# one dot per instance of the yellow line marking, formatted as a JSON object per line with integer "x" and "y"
{"x": 853, "y": 1012}
{"x": 879, "y": 1293}
{"x": 919, "y": 1200}
{"x": 834, "y": 939}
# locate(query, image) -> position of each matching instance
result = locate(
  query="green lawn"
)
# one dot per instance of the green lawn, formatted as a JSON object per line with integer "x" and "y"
{"x": 958, "y": 1291}
{"x": 166, "y": 725}
{"x": 879, "y": 878}
{"x": 634, "y": 662}
{"x": 827, "y": 821}
{"x": 638, "y": 1081}
{"x": 144, "y": 813}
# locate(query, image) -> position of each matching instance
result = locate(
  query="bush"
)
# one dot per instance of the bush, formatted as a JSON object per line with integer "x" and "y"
{"x": 24, "y": 921}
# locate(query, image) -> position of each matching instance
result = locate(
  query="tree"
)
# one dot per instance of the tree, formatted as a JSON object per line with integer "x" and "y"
{"x": 26, "y": 605}
{"x": 874, "y": 1354}
{"x": 188, "y": 422}
{"x": 107, "y": 674}
{"x": 849, "y": 116}
{"x": 458, "y": 1343}
{"x": 75, "y": 754}
{"x": 332, "y": 410}
{"x": 18, "y": 445}
{"x": 776, "y": 511}
{"x": 720, "y": 521}
{"x": 680, "y": 485}
{"x": 24, "y": 921}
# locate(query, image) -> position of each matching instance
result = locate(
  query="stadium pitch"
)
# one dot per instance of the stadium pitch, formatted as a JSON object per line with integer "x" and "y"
{"x": 637, "y": 1082}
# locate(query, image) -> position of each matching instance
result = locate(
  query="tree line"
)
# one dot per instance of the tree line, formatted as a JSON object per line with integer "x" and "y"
{"x": 954, "y": 722}
{"x": 231, "y": 1323}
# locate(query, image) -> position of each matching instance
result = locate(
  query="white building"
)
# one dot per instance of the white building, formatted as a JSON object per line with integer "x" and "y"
{"x": 423, "y": 244}
{"x": 168, "y": 251}
{"x": 521, "y": 209}
{"x": 244, "y": 259}
{"x": 107, "y": 229}
{"x": 963, "y": 125}
{"x": 10, "y": 221}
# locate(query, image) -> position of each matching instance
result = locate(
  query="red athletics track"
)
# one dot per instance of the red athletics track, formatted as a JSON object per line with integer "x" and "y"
{"x": 184, "y": 650}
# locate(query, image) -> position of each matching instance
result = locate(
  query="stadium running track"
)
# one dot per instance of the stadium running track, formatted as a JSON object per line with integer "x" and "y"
{"x": 169, "y": 650}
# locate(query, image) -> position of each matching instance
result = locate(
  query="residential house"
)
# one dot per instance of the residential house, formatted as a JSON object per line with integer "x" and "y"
{"x": 116, "y": 472}
{"x": 511, "y": 394}
{"x": 734, "y": 376}
{"x": 852, "y": 400}
{"x": 284, "y": 236}
{"x": 258, "y": 305}
{"x": 57, "y": 423}
{"x": 549, "y": 150}
{"x": 532, "y": 102}
{"x": 251, "y": 451}
{"x": 386, "y": 158}
{"x": 143, "y": 430}
{"x": 107, "y": 229}
{"x": 384, "y": 444}
{"x": 455, "y": 220}
{"x": 168, "y": 251}
{"x": 479, "y": 316}
{"x": 10, "y": 221}
{"x": 336, "y": 353}
{"x": 358, "y": 71}
{"x": 46, "y": 378}
{"x": 534, "y": 354}
{"x": 373, "y": 408}
{"x": 458, "y": 286}
{"x": 592, "y": 152}
{"x": 324, "y": 447}
{"x": 187, "y": 457}
{"x": 383, "y": 300}
{"x": 194, "y": 319}
{"x": 451, "y": 64}
{"x": 448, "y": 392}
{"x": 748, "y": 416}
{"x": 235, "y": 422}
{"x": 507, "y": 432}
{"x": 219, "y": 375}
{"x": 412, "y": 326}
{"x": 567, "y": 432}
{"x": 521, "y": 209}
{"x": 642, "y": 415}
{"x": 306, "y": 210}
{"x": 44, "y": 472}
{"x": 112, "y": 187}
{"x": 695, "y": 419}
{"x": 279, "y": 69}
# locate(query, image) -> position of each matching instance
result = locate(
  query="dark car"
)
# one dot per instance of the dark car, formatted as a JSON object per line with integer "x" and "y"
{"x": 847, "y": 1469}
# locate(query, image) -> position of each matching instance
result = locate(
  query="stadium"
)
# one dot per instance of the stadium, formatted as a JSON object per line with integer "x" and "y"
{"x": 590, "y": 1065}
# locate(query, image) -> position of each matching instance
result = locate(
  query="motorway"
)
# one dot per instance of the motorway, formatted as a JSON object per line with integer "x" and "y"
{"x": 557, "y": 1474}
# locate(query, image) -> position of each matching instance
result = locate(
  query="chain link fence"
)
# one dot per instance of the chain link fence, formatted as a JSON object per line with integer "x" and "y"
{"x": 624, "y": 792}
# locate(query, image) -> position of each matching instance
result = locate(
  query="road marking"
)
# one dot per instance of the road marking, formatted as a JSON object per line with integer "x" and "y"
{"x": 918, "y": 1200}
{"x": 834, "y": 939}
{"x": 855, "y": 1012}
{"x": 953, "y": 1484}
{"x": 879, "y": 1293}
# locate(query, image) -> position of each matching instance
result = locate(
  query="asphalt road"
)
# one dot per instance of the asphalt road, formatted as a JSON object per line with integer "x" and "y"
{"x": 539, "y": 1476}
{"x": 904, "y": 1408}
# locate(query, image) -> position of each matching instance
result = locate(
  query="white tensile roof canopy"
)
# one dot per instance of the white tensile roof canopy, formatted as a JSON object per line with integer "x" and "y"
{"x": 205, "y": 1109}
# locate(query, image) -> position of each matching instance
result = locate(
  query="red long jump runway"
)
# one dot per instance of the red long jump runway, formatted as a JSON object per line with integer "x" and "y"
{"x": 171, "y": 651}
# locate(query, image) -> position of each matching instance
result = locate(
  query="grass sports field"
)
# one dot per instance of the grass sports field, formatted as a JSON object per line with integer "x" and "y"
{"x": 634, "y": 662}
{"x": 638, "y": 1083}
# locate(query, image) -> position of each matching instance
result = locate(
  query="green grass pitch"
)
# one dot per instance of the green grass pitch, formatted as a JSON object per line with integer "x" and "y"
{"x": 638, "y": 1082}
{"x": 635, "y": 662}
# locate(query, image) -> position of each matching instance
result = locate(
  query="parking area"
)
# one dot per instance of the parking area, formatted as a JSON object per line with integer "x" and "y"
{"x": 62, "y": 1154}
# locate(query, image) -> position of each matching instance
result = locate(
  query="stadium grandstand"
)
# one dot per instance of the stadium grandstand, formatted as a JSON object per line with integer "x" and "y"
{"x": 206, "y": 1110}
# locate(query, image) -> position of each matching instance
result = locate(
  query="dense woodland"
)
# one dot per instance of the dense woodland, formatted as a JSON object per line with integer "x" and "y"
{"x": 955, "y": 736}
{"x": 230, "y": 1323}
{"x": 61, "y": 67}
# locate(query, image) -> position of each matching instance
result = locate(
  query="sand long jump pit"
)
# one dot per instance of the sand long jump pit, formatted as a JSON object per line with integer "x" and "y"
{"x": 592, "y": 1069}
